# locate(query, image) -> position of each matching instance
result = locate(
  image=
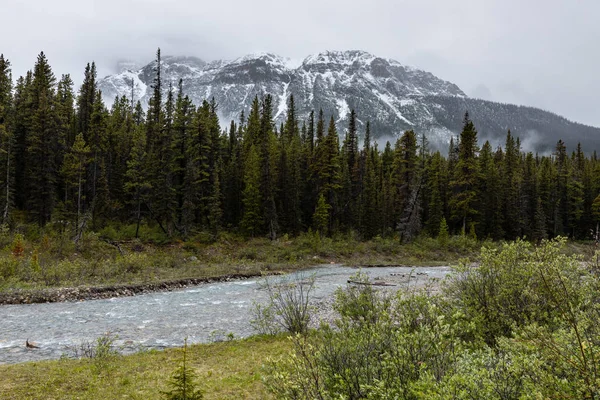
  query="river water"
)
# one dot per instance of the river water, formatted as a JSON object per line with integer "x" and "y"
{"x": 201, "y": 313}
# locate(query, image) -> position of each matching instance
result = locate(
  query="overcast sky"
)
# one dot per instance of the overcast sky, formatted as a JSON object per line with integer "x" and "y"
{"x": 543, "y": 53}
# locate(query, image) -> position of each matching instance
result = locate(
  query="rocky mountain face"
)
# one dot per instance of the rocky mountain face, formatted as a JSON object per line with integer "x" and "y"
{"x": 392, "y": 96}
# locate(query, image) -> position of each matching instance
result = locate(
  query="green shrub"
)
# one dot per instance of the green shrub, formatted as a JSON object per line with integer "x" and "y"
{"x": 288, "y": 307}
{"x": 514, "y": 286}
{"x": 523, "y": 324}
{"x": 377, "y": 349}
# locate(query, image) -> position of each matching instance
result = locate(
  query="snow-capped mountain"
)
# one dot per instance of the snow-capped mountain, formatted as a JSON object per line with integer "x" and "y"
{"x": 394, "y": 97}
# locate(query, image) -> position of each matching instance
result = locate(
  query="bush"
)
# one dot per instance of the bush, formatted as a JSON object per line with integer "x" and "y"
{"x": 377, "y": 349}
{"x": 521, "y": 325}
{"x": 288, "y": 306}
{"x": 515, "y": 286}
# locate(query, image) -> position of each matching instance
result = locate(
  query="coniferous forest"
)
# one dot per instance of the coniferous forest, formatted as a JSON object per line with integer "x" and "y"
{"x": 68, "y": 160}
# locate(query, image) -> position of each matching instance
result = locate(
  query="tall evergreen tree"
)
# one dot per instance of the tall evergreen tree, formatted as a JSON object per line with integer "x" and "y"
{"x": 42, "y": 144}
{"x": 86, "y": 100}
{"x": 7, "y": 139}
{"x": 407, "y": 185}
{"x": 465, "y": 177}
{"x": 268, "y": 145}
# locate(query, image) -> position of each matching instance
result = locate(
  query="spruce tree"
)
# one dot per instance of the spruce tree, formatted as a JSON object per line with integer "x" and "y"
{"x": 23, "y": 111}
{"x": 137, "y": 183}
{"x": 7, "y": 139}
{"x": 86, "y": 100}
{"x": 407, "y": 182}
{"x": 74, "y": 174}
{"x": 252, "y": 219}
{"x": 490, "y": 201}
{"x": 183, "y": 382}
{"x": 511, "y": 187}
{"x": 182, "y": 131}
{"x": 42, "y": 144}
{"x": 435, "y": 204}
{"x": 465, "y": 179}
{"x": 321, "y": 216}
{"x": 268, "y": 146}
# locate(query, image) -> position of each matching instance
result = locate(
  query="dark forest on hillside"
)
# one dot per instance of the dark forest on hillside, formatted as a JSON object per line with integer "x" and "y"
{"x": 68, "y": 161}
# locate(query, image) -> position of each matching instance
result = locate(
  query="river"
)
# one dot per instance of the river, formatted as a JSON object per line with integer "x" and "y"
{"x": 159, "y": 320}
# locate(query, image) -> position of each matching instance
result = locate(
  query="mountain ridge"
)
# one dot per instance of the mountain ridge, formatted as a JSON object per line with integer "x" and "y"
{"x": 392, "y": 96}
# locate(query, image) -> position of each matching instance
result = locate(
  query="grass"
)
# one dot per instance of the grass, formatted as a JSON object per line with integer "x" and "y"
{"x": 50, "y": 260}
{"x": 225, "y": 370}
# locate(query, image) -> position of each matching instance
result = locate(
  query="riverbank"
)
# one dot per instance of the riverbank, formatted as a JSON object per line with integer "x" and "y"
{"x": 54, "y": 295}
{"x": 226, "y": 370}
{"x": 44, "y": 270}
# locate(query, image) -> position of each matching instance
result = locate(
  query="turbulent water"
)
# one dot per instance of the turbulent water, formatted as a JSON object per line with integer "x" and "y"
{"x": 152, "y": 321}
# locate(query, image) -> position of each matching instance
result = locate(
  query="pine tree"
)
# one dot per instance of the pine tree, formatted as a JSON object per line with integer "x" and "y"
{"x": 435, "y": 204}
{"x": 369, "y": 199}
{"x": 97, "y": 140}
{"x": 86, "y": 100}
{"x": 350, "y": 174}
{"x": 290, "y": 180}
{"x": 74, "y": 174}
{"x": 65, "y": 99}
{"x": 490, "y": 189}
{"x": 407, "y": 185}
{"x": 330, "y": 171}
{"x": 561, "y": 219}
{"x": 268, "y": 158}
{"x": 321, "y": 216}
{"x": 182, "y": 130}
{"x": 443, "y": 234}
{"x": 197, "y": 184}
{"x": 183, "y": 382}
{"x": 465, "y": 179}
{"x": 252, "y": 220}
{"x": 215, "y": 210}
{"x": 575, "y": 199}
{"x": 23, "y": 111}
{"x": 137, "y": 183}
{"x": 7, "y": 138}
{"x": 307, "y": 161}
{"x": 42, "y": 144}
{"x": 511, "y": 188}
{"x": 547, "y": 193}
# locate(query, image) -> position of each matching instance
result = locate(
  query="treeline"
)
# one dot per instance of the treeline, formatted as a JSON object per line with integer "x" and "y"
{"x": 65, "y": 159}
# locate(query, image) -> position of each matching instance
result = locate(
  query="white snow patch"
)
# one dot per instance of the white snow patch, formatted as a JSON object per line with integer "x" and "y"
{"x": 343, "y": 108}
{"x": 389, "y": 101}
{"x": 282, "y": 100}
{"x": 292, "y": 63}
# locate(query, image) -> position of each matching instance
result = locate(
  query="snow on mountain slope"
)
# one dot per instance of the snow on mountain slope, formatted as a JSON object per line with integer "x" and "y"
{"x": 392, "y": 96}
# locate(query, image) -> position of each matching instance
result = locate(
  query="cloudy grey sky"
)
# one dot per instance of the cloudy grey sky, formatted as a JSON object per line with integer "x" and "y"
{"x": 543, "y": 53}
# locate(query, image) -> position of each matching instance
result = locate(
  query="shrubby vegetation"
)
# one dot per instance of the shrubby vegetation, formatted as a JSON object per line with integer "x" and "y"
{"x": 49, "y": 259}
{"x": 288, "y": 308}
{"x": 520, "y": 324}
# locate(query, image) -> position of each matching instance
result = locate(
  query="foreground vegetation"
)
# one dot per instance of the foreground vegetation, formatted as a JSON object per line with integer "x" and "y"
{"x": 520, "y": 325}
{"x": 226, "y": 370}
